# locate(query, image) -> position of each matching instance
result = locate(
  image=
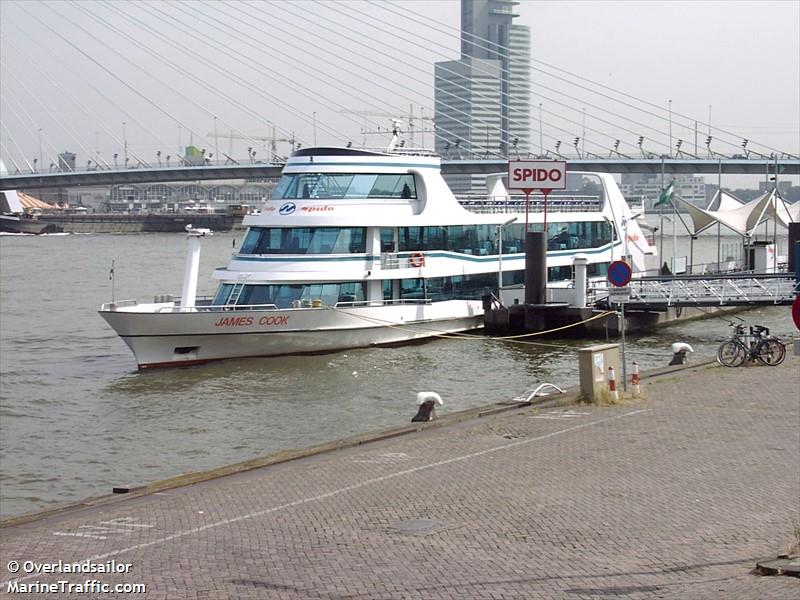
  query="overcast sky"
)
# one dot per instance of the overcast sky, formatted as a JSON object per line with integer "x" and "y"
{"x": 72, "y": 73}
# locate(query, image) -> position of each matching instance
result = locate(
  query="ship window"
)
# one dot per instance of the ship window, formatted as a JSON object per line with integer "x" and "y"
{"x": 464, "y": 239}
{"x": 582, "y": 234}
{"x": 223, "y": 293}
{"x": 305, "y": 240}
{"x": 457, "y": 287}
{"x": 291, "y": 295}
{"x": 335, "y": 186}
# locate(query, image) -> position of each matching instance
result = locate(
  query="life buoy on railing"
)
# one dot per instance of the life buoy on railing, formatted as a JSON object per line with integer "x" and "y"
{"x": 417, "y": 259}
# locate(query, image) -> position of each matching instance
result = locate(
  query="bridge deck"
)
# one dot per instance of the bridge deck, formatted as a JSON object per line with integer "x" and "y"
{"x": 146, "y": 173}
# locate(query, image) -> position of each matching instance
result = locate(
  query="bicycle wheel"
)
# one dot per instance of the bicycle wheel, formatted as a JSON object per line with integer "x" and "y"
{"x": 771, "y": 352}
{"x": 731, "y": 354}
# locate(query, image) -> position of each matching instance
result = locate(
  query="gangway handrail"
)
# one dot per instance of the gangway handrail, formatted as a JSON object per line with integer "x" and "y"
{"x": 713, "y": 276}
{"x": 770, "y": 288}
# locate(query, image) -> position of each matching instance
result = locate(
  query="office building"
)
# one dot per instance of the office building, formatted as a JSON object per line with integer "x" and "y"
{"x": 482, "y": 100}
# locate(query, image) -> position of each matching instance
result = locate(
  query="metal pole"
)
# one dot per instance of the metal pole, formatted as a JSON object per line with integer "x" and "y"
{"x": 719, "y": 207}
{"x": 775, "y": 220}
{"x": 499, "y": 260}
{"x": 527, "y": 202}
{"x": 661, "y": 220}
{"x": 216, "y": 139}
{"x": 583, "y": 133}
{"x": 624, "y": 368}
{"x": 674, "y": 234}
{"x": 541, "y": 146}
{"x": 422, "y": 126}
{"x": 670, "y": 127}
{"x": 125, "y": 144}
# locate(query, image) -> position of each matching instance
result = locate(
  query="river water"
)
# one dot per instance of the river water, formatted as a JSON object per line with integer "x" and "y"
{"x": 77, "y": 419}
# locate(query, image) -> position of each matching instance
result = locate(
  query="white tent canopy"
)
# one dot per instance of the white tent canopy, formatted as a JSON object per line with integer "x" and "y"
{"x": 742, "y": 218}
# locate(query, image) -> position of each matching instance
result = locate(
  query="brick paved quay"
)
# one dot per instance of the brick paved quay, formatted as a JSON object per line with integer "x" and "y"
{"x": 673, "y": 496}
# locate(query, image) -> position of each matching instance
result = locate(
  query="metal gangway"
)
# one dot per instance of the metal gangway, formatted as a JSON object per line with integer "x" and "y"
{"x": 728, "y": 289}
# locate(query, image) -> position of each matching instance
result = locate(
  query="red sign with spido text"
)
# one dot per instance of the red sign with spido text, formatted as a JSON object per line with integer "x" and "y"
{"x": 537, "y": 175}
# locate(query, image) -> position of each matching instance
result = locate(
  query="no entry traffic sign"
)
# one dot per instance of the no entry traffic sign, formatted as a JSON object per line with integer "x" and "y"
{"x": 619, "y": 273}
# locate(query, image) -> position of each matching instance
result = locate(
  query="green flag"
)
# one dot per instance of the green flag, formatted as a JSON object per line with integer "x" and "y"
{"x": 666, "y": 195}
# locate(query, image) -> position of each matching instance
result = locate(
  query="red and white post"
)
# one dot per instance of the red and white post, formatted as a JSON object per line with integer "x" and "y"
{"x": 612, "y": 384}
{"x": 637, "y": 389}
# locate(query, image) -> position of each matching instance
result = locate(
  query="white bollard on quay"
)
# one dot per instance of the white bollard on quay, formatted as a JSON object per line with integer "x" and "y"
{"x": 427, "y": 401}
{"x": 679, "y": 350}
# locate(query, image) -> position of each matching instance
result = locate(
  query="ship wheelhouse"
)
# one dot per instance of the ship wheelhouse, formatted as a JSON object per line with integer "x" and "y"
{"x": 352, "y": 226}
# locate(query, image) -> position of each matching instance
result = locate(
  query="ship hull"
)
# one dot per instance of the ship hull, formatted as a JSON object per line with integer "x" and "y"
{"x": 164, "y": 336}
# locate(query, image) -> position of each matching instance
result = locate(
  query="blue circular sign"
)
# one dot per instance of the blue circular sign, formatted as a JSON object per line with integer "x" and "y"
{"x": 619, "y": 273}
{"x": 288, "y": 208}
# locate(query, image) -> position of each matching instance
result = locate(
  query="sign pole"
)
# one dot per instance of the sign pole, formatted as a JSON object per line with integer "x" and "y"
{"x": 624, "y": 368}
{"x": 545, "y": 192}
{"x": 619, "y": 275}
{"x": 527, "y": 192}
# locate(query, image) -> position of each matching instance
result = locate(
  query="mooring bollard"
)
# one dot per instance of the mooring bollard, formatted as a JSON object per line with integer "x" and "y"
{"x": 612, "y": 384}
{"x": 635, "y": 379}
{"x": 427, "y": 402}
{"x": 679, "y": 350}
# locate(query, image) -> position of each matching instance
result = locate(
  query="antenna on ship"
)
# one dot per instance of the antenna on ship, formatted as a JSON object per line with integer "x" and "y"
{"x": 395, "y": 136}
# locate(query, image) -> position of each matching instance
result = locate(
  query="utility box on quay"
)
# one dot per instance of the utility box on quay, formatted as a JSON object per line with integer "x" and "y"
{"x": 593, "y": 364}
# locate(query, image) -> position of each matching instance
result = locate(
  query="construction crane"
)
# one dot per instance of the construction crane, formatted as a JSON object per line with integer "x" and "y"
{"x": 393, "y": 116}
{"x": 273, "y": 142}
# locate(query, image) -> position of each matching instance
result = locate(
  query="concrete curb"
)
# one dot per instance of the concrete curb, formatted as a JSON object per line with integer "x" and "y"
{"x": 569, "y": 397}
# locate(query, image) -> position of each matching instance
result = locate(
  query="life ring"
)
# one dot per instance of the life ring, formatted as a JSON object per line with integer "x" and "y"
{"x": 417, "y": 259}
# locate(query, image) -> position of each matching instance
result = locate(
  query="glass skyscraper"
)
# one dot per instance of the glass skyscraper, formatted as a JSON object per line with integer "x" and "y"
{"x": 482, "y": 100}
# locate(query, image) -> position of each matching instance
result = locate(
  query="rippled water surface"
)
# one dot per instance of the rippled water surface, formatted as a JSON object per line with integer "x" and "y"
{"x": 77, "y": 419}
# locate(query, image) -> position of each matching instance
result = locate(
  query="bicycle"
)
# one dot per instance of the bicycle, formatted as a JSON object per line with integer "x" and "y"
{"x": 759, "y": 345}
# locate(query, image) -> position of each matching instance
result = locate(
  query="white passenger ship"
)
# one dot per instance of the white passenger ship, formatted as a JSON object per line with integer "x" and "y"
{"x": 358, "y": 248}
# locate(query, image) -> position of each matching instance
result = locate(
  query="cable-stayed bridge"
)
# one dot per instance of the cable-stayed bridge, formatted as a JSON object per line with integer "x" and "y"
{"x": 150, "y": 174}
{"x": 290, "y": 71}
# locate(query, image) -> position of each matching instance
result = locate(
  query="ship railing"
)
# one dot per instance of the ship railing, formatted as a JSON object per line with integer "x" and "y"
{"x": 298, "y": 304}
{"x": 374, "y": 303}
{"x": 405, "y": 151}
{"x": 176, "y": 308}
{"x": 516, "y": 203}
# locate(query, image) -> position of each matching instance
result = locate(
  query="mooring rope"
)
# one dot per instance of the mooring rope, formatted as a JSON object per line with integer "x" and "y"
{"x": 458, "y": 335}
